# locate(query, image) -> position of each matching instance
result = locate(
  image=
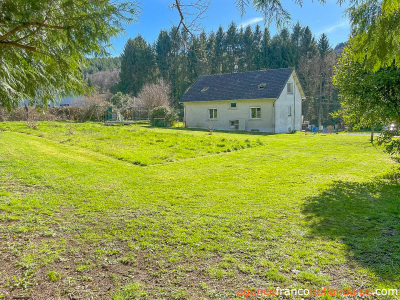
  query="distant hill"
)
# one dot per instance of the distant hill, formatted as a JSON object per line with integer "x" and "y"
{"x": 102, "y": 64}
{"x": 103, "y": 73}
{"x": 339, "y": 47}
{"x": 103, "y": 80}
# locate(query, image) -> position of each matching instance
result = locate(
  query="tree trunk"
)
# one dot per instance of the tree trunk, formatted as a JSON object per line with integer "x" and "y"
{"x": 372, "y": 134}
{"x": 320, "y": 115}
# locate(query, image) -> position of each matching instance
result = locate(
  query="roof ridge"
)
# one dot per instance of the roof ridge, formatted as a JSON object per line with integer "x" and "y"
{"x": 288, "y": 68}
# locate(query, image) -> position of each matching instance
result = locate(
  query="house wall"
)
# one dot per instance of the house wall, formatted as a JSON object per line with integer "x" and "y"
{"x": 288, "y": 110}
{"x": 197, "y": 115}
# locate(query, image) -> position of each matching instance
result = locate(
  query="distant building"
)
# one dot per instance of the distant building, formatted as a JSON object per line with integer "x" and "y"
{"x": 67, "y": 101}
{"x": 265, "y": 101}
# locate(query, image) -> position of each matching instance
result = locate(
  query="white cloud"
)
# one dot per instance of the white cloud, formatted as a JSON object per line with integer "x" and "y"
{"x": 251, "y": 22}
{"x": 333, "y": 28}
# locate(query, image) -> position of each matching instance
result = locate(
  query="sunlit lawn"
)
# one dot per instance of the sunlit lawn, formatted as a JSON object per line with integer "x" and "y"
{"x": 129, "y": 212}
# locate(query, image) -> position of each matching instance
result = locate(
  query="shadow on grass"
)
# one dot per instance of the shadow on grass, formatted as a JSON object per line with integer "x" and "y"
{"x": 365, "y": 217}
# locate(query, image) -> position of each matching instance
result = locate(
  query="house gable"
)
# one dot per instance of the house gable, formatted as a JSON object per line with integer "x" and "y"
{"x": 288, "y": 114}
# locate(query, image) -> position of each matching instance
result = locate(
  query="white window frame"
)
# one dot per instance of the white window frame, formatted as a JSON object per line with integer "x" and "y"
{"x": 289, "y": 110}
{"x": 231, "y": 107}
{"x": 251, "y": 114}
{"x": 214, "y": 113}
{"x": 234, "y": 124}
{"x": 288, "y": 89}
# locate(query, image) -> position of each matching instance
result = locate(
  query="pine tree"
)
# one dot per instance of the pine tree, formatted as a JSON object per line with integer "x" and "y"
{"x": 247, "y": 51}
{"x": 257, "y": 55}
{"x": 231, "y": 48}
{"x": 138, "y": 66}
{"x": 163, "y": 49}
{"x": 219, "y": 49}
{"x": 308, "y": 44}
{"x": 212, "y": 58}
{"x": 265, "y": 50}
{"x": 323, "y": 45}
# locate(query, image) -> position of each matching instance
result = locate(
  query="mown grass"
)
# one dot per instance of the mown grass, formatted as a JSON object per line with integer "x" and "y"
{"x": 137, "y": 144}
{"x": 192, "y": 220}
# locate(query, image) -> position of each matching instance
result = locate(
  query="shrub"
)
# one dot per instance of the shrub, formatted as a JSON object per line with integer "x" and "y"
{"x": 162, "y": 116}
{"x": 153, "y": 95}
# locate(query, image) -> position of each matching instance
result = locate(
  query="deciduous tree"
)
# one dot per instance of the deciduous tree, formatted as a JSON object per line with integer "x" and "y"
{"x": 368, "y": 98}
{"x": 153, "y": 95}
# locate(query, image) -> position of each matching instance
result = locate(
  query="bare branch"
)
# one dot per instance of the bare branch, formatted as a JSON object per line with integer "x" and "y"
{"x": 190, "y": 13}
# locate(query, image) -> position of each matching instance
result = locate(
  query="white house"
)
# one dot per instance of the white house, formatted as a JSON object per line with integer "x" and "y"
{"x": 265, "y": 101}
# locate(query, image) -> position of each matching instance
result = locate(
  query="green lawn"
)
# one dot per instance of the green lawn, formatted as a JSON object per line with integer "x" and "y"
{"x": 132, "y": 212}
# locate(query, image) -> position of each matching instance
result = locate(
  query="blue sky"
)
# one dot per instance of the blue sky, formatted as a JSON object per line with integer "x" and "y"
{"x": 156, "y": 15}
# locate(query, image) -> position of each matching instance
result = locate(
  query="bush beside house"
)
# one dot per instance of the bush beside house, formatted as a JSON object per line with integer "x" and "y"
{"x": 162, "y": 116}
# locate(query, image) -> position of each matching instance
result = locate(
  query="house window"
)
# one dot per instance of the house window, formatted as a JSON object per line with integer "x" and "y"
{"x": 233, "y": 104}
{"x": 212, "y": 114}
{"x": 255, "y": 113}
{"x": 289, "y": 110}
{"x": 261, "y": 86}
{"x": 234, "y": 124}
{"x": 290, "y": 87}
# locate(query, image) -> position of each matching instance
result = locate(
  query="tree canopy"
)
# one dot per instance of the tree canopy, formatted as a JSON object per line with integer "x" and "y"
{"x": 369, "y": 98}
{"x": 138, "y": 66}
{"x": 375, "y": 39}
{"x": 368, "y": 74}
{"x": 43, "y": 45}
{"x": 358, "y": 99}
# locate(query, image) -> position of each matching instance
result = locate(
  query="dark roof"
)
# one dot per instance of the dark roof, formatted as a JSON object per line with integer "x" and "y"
{"x": 238, "y": 86}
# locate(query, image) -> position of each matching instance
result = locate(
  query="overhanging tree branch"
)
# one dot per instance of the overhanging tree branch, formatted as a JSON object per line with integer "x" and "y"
{"x": 15, "y": 44}
{"x": 47, "y": 42}
{"x": 27, "y": 25}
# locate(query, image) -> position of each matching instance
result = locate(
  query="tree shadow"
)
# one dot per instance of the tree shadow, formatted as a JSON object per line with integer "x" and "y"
{"x": 365, "y": 217}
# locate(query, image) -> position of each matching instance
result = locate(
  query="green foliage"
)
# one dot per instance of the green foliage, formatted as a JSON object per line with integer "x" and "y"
{"x": 120, "y": 100}
{"x": 163, "y": 53}
{"x": 375, "y": 26}
{"x": 102, "y": 64}
{"x": 375, "y": 37}
{"x": 391, "y": 141}
{"x": 323, "y": 45}
{"x": 369, "y": 98}
{"x": 163, "y": 116}
{"x": 368, "y": 72}
{"x": 44, "y": 44}
{"x": 138, "y": 66}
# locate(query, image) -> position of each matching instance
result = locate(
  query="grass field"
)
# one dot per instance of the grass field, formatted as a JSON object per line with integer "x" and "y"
{"x": 132, "y": 212}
